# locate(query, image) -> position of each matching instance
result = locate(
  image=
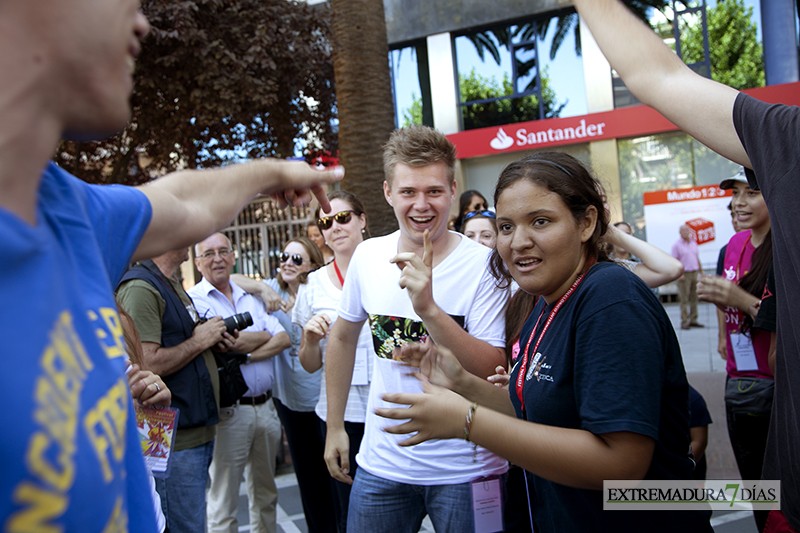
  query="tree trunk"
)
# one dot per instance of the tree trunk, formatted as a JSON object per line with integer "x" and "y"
{"x": 364, "y": 101}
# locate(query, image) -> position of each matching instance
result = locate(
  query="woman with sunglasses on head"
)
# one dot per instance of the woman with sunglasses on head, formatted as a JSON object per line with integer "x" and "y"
{"x": 480, "y": 227}
{"x": 296, "y": 391}
{"x": 344, "y": 228}
{"x": 587, "y": 409}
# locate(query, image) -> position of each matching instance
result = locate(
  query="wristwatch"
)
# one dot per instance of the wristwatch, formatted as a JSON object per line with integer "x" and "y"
{"x": 249, "y": 357}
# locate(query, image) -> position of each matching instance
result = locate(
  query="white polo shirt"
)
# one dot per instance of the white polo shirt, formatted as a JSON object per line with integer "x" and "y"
{"x": 259, "y": 375}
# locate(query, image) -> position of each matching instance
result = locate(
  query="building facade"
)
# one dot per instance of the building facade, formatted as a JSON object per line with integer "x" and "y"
{"x": 525, "y": 76}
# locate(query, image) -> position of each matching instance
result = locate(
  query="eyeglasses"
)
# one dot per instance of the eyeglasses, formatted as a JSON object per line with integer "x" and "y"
{"x": 297, "y": 259}
{"x": 486, "y": 213}
{"x": 223, "y": 254}
{"x": 342, "y": 217}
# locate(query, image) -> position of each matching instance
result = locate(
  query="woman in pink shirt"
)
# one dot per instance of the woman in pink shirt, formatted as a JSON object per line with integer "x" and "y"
{"x": 750, "y": 384}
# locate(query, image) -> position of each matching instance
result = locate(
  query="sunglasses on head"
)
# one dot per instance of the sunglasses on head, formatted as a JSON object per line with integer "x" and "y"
{"x": 297, "y": 259}
{"x": 486, "y": 213}
{"x": 342, "y": 217}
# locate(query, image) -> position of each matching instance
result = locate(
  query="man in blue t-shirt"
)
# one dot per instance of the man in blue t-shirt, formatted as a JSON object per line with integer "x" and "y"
{"x": 760, "y": 136}
{"x": 69, "y": 452}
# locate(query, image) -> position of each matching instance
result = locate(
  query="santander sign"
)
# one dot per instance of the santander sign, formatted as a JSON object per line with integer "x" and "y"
{"x": 621, "y": 123}
{"x": 548, "y": 133}
{"x": 501, "y": 141}
{"x": 522, "y": 137}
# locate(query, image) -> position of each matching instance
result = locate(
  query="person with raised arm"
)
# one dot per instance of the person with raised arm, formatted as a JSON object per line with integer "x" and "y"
{"x": 758, "y": 135}
{"x": 656, "y": 267}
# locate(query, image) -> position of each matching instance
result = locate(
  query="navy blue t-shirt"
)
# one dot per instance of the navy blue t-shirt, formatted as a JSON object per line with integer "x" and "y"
{"x": 609, "y": 362}
{"x": 699, "y": 417}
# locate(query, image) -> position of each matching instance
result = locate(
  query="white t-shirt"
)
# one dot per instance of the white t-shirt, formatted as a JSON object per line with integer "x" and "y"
{"x": 319, "y": 295}
{"x": 464, "y": 289}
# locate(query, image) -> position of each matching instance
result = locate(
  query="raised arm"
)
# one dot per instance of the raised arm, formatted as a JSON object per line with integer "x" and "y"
{"x": 190, "y": 205}
{"x": 701, "y": 107}
{"x": 271, "y": 299}
{"x": 310, "y": 352}
{"x": 476, "y": 356}
{"x": 657, "y": 267}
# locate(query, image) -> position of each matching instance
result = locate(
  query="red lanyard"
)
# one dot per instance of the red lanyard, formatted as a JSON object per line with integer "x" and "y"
{"x": 336, "y": 268}
{"x": 741, "y": 256}
{"x": 524, "y": 364}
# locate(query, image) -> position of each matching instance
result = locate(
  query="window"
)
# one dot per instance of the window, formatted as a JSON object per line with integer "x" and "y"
{"x": 665, "y": 161}
{"x": 723, "y": 37}
{"x": 411, "y": 85}
{"x": 525, "y": 71}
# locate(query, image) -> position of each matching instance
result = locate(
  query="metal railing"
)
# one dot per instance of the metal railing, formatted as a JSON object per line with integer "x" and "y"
{"x": 259, "y": 232}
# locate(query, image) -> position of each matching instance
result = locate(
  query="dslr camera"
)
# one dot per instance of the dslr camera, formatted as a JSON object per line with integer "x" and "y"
{"x": 238, "y": 321}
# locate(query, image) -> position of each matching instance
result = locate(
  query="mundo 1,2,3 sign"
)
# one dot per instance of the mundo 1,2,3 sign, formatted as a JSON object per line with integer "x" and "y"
{"x": 703, "y": 209}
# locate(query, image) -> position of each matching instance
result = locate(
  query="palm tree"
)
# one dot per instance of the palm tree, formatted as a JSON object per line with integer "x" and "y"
{"x": 365, "y": 104}
{"x": 491, "y": 40}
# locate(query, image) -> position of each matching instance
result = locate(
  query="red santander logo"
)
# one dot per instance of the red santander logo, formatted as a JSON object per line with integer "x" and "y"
{"x": 544, "y": 137}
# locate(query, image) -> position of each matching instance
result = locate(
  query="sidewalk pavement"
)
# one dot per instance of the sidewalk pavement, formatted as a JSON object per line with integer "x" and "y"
{"x": 706, "y": 372}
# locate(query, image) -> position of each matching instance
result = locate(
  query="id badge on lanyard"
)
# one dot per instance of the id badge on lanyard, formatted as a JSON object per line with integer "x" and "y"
{"x": 743, "y": 353}
{"x": 487, "y": 504}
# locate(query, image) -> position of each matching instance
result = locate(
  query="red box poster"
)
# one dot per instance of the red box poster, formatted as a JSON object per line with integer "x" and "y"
{"x": 702, "y": 230}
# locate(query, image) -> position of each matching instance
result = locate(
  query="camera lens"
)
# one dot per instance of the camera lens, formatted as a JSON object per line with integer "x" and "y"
{"x": 239, "y": 321}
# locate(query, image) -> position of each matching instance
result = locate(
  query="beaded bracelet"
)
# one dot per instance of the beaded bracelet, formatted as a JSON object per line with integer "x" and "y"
{"x": 470, "y": 416}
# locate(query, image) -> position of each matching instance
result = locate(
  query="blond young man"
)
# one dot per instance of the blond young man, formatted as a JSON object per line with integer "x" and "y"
{"x": 422, "y": 280}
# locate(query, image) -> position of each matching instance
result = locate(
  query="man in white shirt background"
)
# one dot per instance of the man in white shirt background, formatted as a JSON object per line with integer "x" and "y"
{"x": 249, "y": 432}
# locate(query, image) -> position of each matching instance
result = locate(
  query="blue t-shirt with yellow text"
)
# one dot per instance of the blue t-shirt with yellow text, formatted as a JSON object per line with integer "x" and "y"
{"x": 69, "y": 453}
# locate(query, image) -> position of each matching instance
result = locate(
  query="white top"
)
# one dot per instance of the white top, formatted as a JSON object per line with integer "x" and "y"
{"x": 294, "y": 387}
{"x": 258, "y": 375}
{"x": 463, "y": 288}
{"x": 320, "y": 295}
{"x": 161, "y": 521}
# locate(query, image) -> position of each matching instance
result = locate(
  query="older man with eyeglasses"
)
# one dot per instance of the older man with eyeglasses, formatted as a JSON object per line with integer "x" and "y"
{"x": 249, "y": 431}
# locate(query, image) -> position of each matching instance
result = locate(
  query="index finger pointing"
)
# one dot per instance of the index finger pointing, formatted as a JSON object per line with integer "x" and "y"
{"x": 319, "y": 193}
{"x": 318, "y": 190}
{"x": 427, "y": 256}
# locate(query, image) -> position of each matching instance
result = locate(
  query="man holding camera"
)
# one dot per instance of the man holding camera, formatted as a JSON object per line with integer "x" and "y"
{"x": 177, "y": 348}
{"x": 249, "y": 431}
